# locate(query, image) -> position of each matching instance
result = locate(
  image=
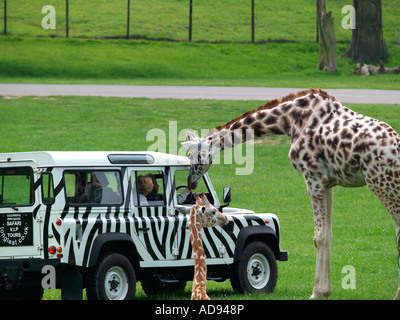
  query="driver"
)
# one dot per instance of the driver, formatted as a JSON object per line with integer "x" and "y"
{"x": 183, "y": 195}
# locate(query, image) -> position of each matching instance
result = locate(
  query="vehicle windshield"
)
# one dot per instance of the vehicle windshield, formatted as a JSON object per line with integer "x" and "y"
{"x": 181, "y": 184}
{"x": 16, "y": 187}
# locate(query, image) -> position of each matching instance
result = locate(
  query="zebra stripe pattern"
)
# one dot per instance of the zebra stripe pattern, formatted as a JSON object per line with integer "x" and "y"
{"x": 161, "y": 237}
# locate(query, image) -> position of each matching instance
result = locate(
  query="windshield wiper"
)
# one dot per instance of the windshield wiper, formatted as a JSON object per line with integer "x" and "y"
{"x": 12, "y": 205}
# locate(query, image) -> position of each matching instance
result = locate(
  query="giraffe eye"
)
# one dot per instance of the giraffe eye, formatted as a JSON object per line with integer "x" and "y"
{"x": 203, "y": 209}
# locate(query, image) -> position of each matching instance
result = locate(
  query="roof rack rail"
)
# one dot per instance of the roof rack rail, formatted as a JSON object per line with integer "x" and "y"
{"x": 131, "y": 159}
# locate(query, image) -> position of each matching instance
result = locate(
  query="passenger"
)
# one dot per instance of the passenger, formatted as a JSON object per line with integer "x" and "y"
{"x": 145, "y": 186}
{"x": 81, "y": 180}
{"x": 93, "y": 190}
{"x": 154, "y": 195}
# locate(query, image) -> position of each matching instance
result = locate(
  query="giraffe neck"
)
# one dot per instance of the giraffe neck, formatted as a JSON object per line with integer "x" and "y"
{"x": 199, "y": 291}
{"x": 286, "y": 116}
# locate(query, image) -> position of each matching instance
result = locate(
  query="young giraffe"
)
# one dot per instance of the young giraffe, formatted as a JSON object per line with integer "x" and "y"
{"x": 203, "y": 214}
{"x": 330, "y": 145}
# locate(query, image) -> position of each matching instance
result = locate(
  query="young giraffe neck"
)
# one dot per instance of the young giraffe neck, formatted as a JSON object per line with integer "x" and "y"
{"x": 199, "y": 291}
{"x": 286, "y": 116}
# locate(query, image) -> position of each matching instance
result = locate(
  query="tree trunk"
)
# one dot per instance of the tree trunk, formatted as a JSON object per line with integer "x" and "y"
{"x": 367, "y": 44}
{"x": 319, "y": 3}
{"x": 327, "y": 39}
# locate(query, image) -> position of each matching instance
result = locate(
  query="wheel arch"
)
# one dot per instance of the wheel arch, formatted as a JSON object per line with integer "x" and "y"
{"x": 256, "y": 233}
{"x": 113, "y": 242}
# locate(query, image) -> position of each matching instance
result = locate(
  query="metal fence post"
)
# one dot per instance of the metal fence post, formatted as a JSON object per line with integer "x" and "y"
{"x": 67, "y": 17}
{"x": 128, "y": 19}
{"x": 5, "y": 17}
{"x": 190, "y": 19}
{"x": 252, "y": 21}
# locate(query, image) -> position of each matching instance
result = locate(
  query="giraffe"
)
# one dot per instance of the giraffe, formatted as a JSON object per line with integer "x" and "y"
{"x": 202, "y": 214}
{"x": 330, "y": 145}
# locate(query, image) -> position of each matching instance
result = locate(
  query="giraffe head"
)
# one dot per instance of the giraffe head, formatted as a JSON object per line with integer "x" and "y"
{"x": 201, "y": 157}
{"x": 208, "y": 214}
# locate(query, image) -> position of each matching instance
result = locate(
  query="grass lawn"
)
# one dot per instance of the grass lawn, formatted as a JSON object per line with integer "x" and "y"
{"x": 228, "y": 20}
{"x": 30, "y": 54}
{"x": 363, "y": 232}
{"x": 170, "y": 63}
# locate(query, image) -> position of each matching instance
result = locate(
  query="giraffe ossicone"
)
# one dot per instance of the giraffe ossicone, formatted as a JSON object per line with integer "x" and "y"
{"x": 330, "y": 145}
{"x": 202, "y": 215}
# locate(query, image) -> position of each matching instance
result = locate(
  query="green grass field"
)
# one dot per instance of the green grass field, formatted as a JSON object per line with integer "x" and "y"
{"x": 168, "y": 63}
{"x": 231, "y": 61}
{"x": 228, "y": 20}
{"x": 363, "y": 232}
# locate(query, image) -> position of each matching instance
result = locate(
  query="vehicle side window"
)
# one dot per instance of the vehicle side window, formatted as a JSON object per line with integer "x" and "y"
{"x": 148, "y": 188}
{"x": 88, "y": 188}
{"x": 16, "y": 187}
{"x": 47, "y": 188}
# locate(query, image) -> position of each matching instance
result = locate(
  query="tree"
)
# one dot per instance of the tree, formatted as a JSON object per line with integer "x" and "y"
{"x": 367, "y": 44}
{"x": 327, "y": 38}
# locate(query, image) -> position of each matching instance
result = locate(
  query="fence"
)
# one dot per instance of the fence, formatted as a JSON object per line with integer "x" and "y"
{"x": 190, "y": 19}
{"x": 180, "y": 20}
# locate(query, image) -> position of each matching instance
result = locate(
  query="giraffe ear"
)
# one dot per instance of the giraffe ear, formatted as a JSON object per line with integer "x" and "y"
{"x": 189, "y": 144}
{"x": 192, "y": 140}
{"x": 183, "y": 209}
{"x": 190, "y": 136}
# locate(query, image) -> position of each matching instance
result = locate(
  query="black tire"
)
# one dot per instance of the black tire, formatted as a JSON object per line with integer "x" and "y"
{"x": 113, "y": 278}
{"x": 256, "y": 271}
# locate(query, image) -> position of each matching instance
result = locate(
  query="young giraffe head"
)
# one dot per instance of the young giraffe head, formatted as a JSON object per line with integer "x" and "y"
{"x": 209, "y": 215}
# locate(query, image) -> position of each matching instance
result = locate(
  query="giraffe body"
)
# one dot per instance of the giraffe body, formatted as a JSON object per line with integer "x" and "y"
{"x": 330, "y": 145}
{"x": 202, "y": 214}
{"x": 199, "y": 290}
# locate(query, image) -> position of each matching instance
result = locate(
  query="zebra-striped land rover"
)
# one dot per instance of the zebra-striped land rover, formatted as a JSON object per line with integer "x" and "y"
{"x": 75, "y": 220}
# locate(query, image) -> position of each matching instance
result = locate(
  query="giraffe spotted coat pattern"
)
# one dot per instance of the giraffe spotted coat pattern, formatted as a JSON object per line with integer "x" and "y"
{"x": 330, "y": 145}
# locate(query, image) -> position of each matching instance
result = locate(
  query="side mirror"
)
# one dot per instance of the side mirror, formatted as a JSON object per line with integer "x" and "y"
{"x": 227, "y": 195}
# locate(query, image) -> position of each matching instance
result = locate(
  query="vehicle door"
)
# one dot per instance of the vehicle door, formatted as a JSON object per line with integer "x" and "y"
{"x": 151, "y": 201}
{"x": 20, "y": 220}
{"x": 93, "y": 204}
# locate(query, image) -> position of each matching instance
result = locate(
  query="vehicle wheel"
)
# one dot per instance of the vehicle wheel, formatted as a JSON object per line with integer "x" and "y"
{"x": 256, "y": 271}
{"x": 113, "y": 278}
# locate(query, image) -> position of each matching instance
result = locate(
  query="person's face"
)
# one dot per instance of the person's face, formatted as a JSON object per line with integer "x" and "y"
{"x": 149, "y": 186}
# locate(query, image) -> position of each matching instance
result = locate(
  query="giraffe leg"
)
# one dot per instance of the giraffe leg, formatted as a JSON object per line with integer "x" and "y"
{"x": 397, "y": 297}
{"x": 389, "y": 200}
{"x": 322, "y": 199}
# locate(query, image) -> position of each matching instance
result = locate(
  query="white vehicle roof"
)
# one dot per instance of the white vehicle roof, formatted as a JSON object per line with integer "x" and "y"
{"x": 95, "y": 158}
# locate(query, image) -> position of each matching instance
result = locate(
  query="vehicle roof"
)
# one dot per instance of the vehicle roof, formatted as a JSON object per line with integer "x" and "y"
{"x": 95, "y": 158}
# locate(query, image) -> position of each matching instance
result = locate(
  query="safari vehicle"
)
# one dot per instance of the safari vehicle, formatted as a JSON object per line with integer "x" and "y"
{"x": 80, "y": 214}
